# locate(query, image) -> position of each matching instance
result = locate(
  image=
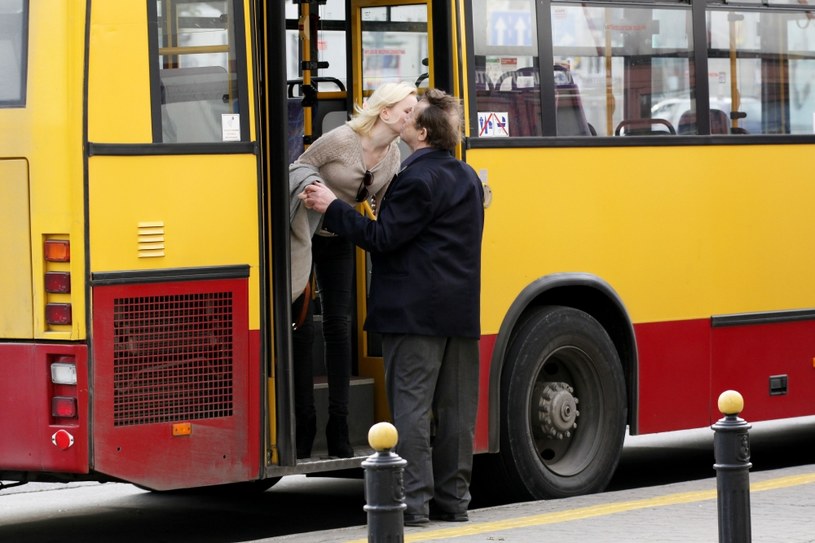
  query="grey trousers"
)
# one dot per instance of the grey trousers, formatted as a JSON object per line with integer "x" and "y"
{"x": 433, "y": 381}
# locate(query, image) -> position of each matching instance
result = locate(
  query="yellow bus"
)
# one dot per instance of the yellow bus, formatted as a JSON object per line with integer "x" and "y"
{"x": 647, "y": 239}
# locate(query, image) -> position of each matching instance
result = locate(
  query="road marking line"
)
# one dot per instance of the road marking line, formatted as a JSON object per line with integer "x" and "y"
{"x": 581, "y": 513}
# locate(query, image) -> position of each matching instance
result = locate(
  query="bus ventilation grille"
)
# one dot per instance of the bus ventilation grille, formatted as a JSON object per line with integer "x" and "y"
{"x": 172, "y": 358}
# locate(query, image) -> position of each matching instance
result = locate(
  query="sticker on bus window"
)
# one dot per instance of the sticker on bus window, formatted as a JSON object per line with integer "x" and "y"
{"x": 493, "y": 124}
{"x": 230, "y": 127}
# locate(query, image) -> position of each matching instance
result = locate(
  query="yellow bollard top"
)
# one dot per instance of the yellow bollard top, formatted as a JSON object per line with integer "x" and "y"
{"x": 382, "y": 436}
{"x": 731, "y": 402}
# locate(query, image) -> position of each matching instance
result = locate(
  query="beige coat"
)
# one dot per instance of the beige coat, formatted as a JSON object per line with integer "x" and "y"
{"x": 336, "y": 158}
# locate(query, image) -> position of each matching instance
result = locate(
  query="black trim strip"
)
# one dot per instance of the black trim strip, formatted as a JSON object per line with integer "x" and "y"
{"x": 152, "y": 57}
{"x": 770, "y": 317}
{"x": 154, "y": 149}
{"x": 239, "y": 271}
{"x": 637, "y": 141}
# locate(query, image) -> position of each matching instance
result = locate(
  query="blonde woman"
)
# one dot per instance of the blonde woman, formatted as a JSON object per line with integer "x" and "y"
{"x": 357, "y": 162}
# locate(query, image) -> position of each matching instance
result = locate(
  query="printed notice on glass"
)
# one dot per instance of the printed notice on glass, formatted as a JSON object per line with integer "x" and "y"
{"x": 493, "y": 124}
{"x": 230, "y": 127}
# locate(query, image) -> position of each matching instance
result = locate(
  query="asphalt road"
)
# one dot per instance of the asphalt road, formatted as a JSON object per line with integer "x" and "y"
{"x": 121, "y": 513}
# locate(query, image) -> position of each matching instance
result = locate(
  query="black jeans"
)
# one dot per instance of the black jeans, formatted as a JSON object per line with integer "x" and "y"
{"x": 333, "y": 259}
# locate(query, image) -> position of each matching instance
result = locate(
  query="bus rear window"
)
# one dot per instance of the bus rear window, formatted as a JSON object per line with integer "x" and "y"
{"x": 13, "y": 33}
{"x": 198, "y": 74}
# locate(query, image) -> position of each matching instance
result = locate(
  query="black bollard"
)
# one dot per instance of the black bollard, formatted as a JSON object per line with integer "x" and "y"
{"x": 731, "y": 450}
{"x": 384, "y": 487}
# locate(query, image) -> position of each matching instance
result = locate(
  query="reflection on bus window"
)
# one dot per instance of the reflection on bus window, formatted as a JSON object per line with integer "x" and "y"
{"x": 12, "y": 52}
{"x": 762, "y": 71}
{"x": 199, "y": 90}
{"x": 507, "y": 77}
{"x": 628, "y": 64}
{"x": 394, "y": 45}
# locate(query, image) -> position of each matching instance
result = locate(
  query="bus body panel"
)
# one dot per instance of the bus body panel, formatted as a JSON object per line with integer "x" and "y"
{"x": 700, "y": 233}
{"x": 119, "y": 109}
{"x": 176, "y": 342}
{"x": 172, "y": 381}
{"x": 486, "y": 347}
{"x": 721, "y": 231}
{"x": 43, "y": 139}
{"x": 33, "y": 439}
{"x": 169, "y": 211}
{"x": 16, "y": 289}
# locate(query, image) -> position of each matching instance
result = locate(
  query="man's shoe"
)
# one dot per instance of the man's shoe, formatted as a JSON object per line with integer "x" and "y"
{"x": 416, "y": 520}
{"x": 450, "y": 517}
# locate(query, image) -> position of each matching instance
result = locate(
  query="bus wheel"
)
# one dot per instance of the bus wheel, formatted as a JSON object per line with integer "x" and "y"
{"x": 563, "y": 406}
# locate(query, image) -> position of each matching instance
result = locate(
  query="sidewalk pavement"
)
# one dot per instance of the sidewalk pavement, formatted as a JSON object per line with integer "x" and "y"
{"x": 782, "y": 505}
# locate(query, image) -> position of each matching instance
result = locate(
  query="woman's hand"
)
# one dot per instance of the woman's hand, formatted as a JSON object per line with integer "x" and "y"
{"x": 317, "y": 197}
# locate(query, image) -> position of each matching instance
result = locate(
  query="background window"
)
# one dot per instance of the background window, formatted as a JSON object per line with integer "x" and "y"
{"x": 198, "y": 72}
{"x": 762, "y": 70}
{"x": 13, "y": 22}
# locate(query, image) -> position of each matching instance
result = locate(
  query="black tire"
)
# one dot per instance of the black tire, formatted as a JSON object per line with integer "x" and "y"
{"x": 563, "y": 406}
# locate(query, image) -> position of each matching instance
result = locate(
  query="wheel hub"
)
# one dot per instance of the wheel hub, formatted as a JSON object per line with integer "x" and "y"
{"x": 557, "y": 410}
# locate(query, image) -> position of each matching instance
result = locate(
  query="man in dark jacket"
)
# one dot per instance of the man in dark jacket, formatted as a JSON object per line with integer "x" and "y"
{"x": 425, "y": 249}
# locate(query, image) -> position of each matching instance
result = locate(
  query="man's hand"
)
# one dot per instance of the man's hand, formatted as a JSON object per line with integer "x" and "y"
{"x": 317, "y": 197}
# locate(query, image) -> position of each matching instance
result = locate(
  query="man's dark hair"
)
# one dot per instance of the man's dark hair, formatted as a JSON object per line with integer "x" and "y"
{"x": 441, "y": 117}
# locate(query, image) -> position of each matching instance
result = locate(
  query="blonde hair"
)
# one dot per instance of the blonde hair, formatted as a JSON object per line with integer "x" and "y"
{"x": 385, "y": 96}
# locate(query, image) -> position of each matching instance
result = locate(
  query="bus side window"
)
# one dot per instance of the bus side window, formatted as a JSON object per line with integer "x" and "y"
{"x": 192, "y": 102}
{"x": 520, "y": 89}
{"x": 198, "y": 60}
{"x": 13, "y": 57}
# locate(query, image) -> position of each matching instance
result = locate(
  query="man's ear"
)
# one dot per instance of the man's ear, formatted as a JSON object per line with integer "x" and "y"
{"x": 421, "y": 134}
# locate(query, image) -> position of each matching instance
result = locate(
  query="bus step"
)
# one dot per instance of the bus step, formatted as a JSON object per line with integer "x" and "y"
{"x": 360, "y": 408}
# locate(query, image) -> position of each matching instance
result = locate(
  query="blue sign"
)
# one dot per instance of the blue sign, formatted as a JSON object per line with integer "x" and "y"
{"x": 510, "y": 28}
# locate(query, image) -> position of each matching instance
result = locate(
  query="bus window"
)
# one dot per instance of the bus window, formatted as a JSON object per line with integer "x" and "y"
{"x": 198, "y": 78}
{"x": 630, "y": 64}
{"x": 761, "y": 70}
{"x": 13, "y": 23}
{"x": 394, "y": 45}
{"x": 330, "y": 47}
{"x": 506, "y": 68}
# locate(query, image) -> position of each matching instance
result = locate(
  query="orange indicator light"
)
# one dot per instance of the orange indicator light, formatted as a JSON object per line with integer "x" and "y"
{"x": 182, "y": 429}
{"x": 57, "y": 250}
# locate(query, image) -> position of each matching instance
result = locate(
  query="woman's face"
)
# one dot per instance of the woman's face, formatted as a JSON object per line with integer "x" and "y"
{"x": 401, "y": 110}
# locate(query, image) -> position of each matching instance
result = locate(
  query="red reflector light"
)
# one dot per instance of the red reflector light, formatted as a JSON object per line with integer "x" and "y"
{"x": 58, "y": 282}
{"x": 63, "y": 407}
{"x": 57, "y": 250}
{"x": 58, "y": 313}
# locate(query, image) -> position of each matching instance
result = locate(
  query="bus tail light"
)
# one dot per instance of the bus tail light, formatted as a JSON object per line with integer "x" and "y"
{"x": 58, "y": 282}
{"x": 63, "y": 407}
{"x": 58, "y": 313}
{"x": 63, "y": 391}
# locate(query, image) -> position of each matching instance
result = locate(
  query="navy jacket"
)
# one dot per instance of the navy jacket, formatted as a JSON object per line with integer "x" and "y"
{"x": 425, "y": 249}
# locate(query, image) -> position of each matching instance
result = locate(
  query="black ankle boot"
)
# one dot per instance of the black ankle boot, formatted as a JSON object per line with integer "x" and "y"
{"x": 306, "y": 429}
{"x": 336, "y": 433}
